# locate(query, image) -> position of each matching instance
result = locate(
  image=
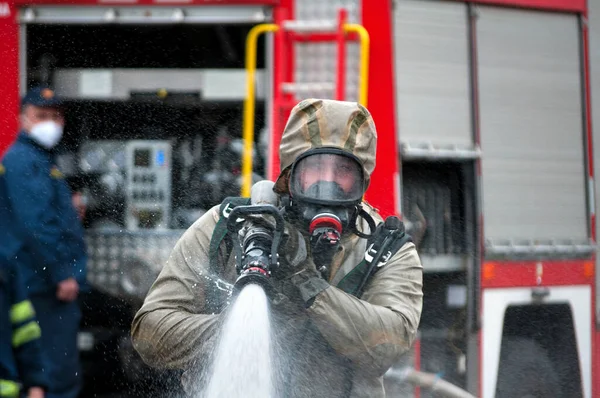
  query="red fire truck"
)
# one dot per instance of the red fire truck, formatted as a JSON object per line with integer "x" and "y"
{"x": 484, "y": 114}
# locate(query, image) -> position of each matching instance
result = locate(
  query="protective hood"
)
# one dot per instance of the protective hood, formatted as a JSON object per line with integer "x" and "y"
{"x": 317, "y": 123}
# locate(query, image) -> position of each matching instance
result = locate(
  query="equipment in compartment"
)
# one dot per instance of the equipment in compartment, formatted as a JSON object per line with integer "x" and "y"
{"x": 125, "y": 263}
{"x": 148, "y": 192}
{"x": 102, "y": 163}
{"x": 439, "y": 193}
{"x": 199, "y": 149}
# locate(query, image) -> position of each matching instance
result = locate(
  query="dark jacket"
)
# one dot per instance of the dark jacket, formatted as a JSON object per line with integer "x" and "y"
{"x": 39, "y": 227}
{"x": 20, "y": 352}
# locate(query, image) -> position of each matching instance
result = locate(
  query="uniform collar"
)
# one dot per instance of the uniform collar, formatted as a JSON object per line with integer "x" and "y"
{"x": 24, "y": 138}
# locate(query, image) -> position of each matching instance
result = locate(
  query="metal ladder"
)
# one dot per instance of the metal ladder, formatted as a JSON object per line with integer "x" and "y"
{"x": 285, "y": 90}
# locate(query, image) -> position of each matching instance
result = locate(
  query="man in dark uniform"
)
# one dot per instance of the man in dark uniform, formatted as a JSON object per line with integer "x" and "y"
{"x": 45, "y": 235}
{"x": 21, "y": 363}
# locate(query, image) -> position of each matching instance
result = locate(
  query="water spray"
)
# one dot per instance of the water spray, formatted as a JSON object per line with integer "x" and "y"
{"x": 248, "y": 355}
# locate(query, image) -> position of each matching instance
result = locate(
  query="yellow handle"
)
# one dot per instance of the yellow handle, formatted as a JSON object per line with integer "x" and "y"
{"x": 248, "y": 126}
{"x": 364, "y": 60}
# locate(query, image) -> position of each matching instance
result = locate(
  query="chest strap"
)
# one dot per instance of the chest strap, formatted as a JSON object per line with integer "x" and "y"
{"x": 220, "y": 248}
{"x": 388, "y": 238}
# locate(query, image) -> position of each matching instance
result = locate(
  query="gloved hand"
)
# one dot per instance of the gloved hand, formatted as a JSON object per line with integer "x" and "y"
{"x": 293, "y": 252}
{"x": 297, "y": 277}
{"x": 303, "y": 286}
{"x": 293, "y": 249}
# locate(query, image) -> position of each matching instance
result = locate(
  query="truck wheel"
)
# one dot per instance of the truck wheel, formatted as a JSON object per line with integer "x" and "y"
{"x": 526, "y": 371}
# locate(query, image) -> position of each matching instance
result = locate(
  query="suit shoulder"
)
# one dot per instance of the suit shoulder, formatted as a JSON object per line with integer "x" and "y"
{"x": 201, "y": 230}
{"x": 372, "y": 211}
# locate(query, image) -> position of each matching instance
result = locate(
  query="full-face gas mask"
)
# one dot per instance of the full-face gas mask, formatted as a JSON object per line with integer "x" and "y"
{"x": 326, "y": 187}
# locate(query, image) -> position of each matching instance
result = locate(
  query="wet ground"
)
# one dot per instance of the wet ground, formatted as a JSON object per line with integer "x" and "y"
{"x": 124, "y": 394}
{"x": 140, "y": 390}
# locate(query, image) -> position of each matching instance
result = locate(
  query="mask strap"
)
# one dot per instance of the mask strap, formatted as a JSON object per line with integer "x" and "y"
{"x": 362, "y": 213}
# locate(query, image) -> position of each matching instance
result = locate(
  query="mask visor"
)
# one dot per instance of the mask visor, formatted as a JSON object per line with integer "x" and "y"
{"x": 327, "y": 178}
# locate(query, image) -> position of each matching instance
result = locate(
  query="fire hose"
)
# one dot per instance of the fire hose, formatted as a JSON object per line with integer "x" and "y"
{"x": 430, "y": 381}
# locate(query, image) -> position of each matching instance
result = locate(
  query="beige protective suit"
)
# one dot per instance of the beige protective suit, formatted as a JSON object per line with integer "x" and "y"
{"x": 341, "y": 345}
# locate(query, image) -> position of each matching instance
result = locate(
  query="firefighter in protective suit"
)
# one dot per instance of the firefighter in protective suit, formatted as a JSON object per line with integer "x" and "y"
{"x": 332, "y": 338}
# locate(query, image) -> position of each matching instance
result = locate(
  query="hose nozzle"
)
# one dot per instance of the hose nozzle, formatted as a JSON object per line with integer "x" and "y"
{"x": 256, "y": 254}
{"x": 257, "y": 276}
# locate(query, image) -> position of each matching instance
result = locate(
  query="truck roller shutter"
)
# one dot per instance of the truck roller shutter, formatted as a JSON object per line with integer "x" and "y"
{"x": 533, "y": 173}
{"x": 432, "y": 74}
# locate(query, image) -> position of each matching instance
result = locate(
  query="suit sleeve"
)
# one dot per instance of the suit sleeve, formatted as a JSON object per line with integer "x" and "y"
{"x": 171, "y": 329}
{"x": 31, "y": 194}
{"x": 375, "y": 330}
{"x": 26, "y": 335}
